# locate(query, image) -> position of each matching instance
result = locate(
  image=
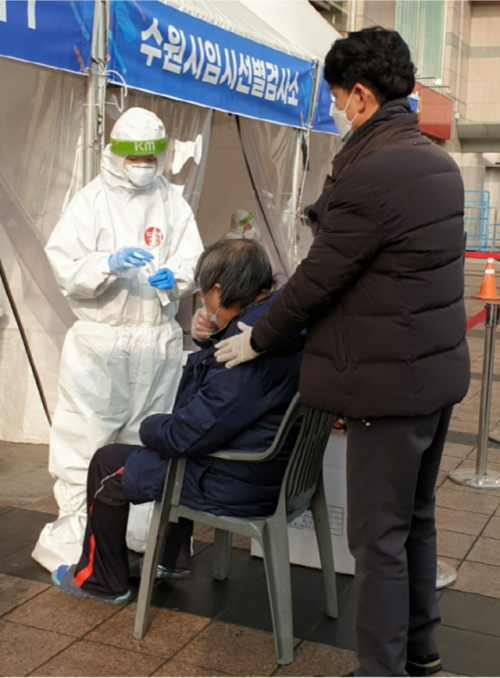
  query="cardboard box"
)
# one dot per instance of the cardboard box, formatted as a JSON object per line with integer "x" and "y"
{"x": 301, "y": 535}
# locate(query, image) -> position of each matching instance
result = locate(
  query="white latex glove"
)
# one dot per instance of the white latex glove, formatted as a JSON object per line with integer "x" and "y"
{"x": 237, "y": 349}
{"x": 201, "y": 326}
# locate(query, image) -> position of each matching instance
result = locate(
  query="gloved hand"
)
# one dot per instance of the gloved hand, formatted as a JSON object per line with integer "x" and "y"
{"x": 128, "y": 257}
{"x": 201, "y": 326}
{"x": 237, "y": 349}
{"x": 163, "y": 279}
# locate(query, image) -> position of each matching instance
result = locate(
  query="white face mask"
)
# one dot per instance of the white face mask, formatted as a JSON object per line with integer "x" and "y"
{"x": 141, "y": 175}
{"x": 251, "y": 233}
{"x": 211, "y": 317}
{"x": 343, "y": 125}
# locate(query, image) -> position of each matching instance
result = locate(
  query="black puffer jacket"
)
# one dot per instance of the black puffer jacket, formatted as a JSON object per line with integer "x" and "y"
{"x": 381, "y": 290}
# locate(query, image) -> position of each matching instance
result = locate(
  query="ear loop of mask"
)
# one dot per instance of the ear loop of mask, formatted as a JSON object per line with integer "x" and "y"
{"x": 212, "y": 317}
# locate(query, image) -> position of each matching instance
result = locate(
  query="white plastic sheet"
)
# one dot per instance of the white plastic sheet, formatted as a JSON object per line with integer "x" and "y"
{"x": 322, "y": 149}
{"x": 269, "y": 152}
{"x": 40, "y": 169}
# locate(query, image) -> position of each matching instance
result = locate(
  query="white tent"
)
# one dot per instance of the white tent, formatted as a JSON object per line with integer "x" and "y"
{"x": 298, "y": 22}
{"x": 221, "y": 161}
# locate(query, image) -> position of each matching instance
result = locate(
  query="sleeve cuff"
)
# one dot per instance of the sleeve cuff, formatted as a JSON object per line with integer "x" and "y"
{"x": 254, "y": 345}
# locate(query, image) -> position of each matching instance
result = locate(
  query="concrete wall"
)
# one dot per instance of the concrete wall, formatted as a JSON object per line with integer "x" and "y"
{"x": 374, "y": 13}
{"x": 483, "y": 93}
{"x": 456, "y": 52}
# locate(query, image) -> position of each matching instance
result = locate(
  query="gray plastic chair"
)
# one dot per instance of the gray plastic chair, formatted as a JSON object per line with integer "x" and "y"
{"x": 302, "y": 489}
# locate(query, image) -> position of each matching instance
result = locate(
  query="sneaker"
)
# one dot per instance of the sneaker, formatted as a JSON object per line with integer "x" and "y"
{"x": 425, "y": 665}
{"x": 64, "y": 579}
{"x": 162, "y": 572}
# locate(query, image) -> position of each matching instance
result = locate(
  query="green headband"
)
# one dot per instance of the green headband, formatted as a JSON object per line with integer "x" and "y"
{"x": 126, "y": 147}
{"x": 245, "y": 221}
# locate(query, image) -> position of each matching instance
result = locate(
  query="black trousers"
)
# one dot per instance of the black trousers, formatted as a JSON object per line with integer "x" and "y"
{"x": 103, "y": 566}
{"x": 392, "y": 467}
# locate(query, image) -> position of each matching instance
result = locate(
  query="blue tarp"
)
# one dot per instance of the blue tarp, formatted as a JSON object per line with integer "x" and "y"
{"x": 159, "y": 49}
{"x": 55, "y": 33}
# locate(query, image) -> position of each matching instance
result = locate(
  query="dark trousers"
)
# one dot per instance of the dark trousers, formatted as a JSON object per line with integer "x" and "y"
{"x": 392, "y": 467}
{"x": 103, "y": 566}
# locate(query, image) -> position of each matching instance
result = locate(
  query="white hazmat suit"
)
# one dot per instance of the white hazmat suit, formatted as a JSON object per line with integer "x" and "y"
{"x": 243, "y": 226}
{"x": 121, "y": 360}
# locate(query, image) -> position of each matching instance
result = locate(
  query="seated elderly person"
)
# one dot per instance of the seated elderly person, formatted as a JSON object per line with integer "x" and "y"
{"x": 216, "y": 408}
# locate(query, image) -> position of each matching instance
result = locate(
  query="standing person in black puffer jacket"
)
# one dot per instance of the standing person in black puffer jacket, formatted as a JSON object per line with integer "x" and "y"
{"x": 381, "y": 296}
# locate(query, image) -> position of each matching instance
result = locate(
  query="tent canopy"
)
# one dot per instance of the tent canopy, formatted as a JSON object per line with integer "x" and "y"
{"x": 298, "y": 22}
{"x": 236, "y": 17}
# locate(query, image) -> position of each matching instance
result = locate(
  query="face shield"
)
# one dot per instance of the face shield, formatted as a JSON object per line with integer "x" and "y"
{"x": 136, "y": 152}
{"x": 243, "y": 225}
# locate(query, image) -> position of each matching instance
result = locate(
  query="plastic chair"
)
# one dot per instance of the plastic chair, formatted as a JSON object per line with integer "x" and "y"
{"x": 302, "y": 489}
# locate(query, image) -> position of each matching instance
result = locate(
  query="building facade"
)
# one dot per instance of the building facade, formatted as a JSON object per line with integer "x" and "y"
{"x": 455, "y": 45}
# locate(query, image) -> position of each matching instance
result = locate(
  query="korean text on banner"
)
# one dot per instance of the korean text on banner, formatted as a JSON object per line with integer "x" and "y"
{"x": 159, "y": 49}
{"x": 54, "y": 33}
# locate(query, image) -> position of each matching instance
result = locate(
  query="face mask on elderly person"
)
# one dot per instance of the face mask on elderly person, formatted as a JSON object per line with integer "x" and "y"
{"x": 205, "y": 321}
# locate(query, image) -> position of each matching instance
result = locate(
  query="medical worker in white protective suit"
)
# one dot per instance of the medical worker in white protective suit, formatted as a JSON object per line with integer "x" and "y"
{"x": 123, "y": 253}
{"x": 243, "y": 226}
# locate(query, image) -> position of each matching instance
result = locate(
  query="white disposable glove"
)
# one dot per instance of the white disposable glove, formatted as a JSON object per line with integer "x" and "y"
{"x": 201, "y": 326}
{"x": 237, "y": 349}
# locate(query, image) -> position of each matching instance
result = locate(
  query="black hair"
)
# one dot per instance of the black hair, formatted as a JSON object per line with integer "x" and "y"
{"x": 376, "y": 58}
{"x": 240, "y": 266}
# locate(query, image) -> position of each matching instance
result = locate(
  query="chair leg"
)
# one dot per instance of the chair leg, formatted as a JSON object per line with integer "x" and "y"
{"x": 322, "y": 527}
{"x": 156, "y": 537}
{"x": 222, "y": 552}
{"x": 277, "y": 564}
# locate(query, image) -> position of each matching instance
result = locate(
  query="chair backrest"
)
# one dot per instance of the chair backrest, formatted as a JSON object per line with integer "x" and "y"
{"x": 306, "y": 461}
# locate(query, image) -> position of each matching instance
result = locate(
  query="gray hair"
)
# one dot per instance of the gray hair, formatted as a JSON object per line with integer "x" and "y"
{"x": 240, "y": 266}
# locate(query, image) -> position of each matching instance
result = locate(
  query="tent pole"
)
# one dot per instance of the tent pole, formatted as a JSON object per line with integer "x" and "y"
{"x": 301, "y": 163}
{"x": 295, "y": 197}
{"x": 24, "y": 338}
{"x": 96, "y": 93}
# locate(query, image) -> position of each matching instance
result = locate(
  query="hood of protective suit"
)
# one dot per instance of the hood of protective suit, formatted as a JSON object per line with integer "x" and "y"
{"x": 239, "y": 220}
{"x": 135, "y": 125}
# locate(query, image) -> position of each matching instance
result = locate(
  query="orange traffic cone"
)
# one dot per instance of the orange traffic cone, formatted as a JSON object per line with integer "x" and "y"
{"x": 488, "y": 291}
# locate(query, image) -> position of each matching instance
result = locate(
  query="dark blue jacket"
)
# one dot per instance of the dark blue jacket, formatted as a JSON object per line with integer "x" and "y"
{"x": 217, "y": 408}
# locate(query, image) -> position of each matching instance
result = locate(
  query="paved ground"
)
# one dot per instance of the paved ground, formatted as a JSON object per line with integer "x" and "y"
{"x": 203, "y": 627}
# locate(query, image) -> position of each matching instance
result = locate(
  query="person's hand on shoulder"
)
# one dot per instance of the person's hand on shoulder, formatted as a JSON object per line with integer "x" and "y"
{"x": 237, "y": 349}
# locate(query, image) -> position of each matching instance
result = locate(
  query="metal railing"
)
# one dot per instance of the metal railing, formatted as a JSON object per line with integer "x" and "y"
{"x": 476, "y": 220}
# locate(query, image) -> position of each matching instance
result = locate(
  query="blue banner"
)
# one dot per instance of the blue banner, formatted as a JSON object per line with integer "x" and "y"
{"x": 55, "y": 33}
{"x": 323, "y": 121}
{"x": 159, "y": 49}
{"x": 413, "y": 103}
